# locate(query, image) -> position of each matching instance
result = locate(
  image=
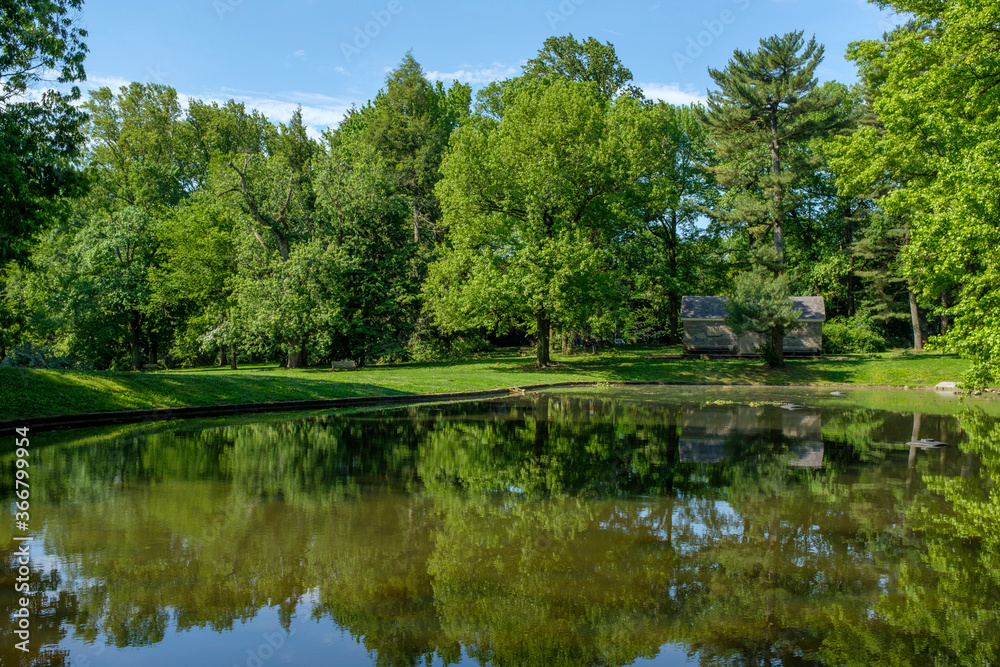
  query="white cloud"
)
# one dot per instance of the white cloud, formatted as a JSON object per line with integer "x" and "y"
{"x": 318, "y": 111}
{"x": 672, "y": 93}
{"x": 477, "y": 75}
{"x": 112, "y": 82}
{"x": 300, "y": 53}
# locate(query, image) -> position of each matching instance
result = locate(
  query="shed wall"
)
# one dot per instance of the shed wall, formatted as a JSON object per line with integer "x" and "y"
{"x": 714, "y": 336}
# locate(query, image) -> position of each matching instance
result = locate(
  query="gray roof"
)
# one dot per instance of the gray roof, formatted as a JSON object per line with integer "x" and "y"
{"x": 813, "y": 308}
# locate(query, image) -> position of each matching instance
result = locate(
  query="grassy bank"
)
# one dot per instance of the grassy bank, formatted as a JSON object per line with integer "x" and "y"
{"x": 36, "y": 393}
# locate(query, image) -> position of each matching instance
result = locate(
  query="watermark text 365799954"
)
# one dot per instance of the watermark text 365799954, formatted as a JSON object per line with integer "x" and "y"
{"x": 22, "y": 555}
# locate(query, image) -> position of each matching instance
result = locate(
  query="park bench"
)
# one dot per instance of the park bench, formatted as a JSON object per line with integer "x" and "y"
{"x": 344, "y": 364}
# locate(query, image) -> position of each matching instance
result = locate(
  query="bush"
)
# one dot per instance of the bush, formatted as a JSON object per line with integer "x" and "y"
{"x": 448, "y": 348}
{"x": 845, "y": 335}
{"x": 981, "y": 375}
{"x": 27, "y": 355}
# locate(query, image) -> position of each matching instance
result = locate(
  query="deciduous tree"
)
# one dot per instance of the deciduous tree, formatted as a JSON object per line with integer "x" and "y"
{"x": 40, "y": 138}
{"x": 528, "y": 202}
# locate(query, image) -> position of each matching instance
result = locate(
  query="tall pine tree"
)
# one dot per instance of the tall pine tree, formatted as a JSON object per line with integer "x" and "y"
{"x": 768, "y": 107}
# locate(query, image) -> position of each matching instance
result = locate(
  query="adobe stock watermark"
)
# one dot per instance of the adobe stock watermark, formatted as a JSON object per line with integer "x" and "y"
{"x": 363, "y": 35}
{"x": 223, "y": 7}
{"x": 156, "y": 75}
{"x": 714, "y": 28}
{"x": 21, "y": 618}
{"x": 562, "y": 13}
{"x": 273, "y": 641}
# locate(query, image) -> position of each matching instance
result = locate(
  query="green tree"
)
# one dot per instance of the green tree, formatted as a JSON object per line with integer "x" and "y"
{"x": 194, "y": 278}
{"x": 672, "y": 256}
{"x": 528, "y": 203}
{"x": 409, "y": 123}
{"x": 90, "y": 286}
{"x": 766, "y": 111}
{"x": 378, "y": 267}
{"x": 761, "y": 303}
{"x": 930, "y": 162}
{"x": 567, "y": 58}
{"x": 385, "y": 155}
{"x": 273, "y": 191}
{"x": 768, "y": 105}
{"x": 135, "y": 156}
{"x": 200, "y": 241}
{"x": 39, "y": 140}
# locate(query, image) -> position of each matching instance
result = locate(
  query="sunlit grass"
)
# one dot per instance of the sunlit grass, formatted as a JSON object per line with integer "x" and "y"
{"x": 33, "y": 393}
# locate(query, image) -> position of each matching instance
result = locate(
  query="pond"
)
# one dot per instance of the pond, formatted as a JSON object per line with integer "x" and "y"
{"x": 645, "y": 526}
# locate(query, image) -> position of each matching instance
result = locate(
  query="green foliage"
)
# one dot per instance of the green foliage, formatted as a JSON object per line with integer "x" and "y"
{"x": 39, "y": 140}
{"x": 91, "y": 288}
{"x": 766, "y": 111}
{"x": 409, "y": 124}
{"x": 31, "y": 356}
{"x": 761, "y": 303}
{"x": 565, "y": 204}
{"x": 929, "y": 158}
{"x": 846, "y": 335}
{"x": 457, "y": 347}
{"x": 667, "y": 253}
{"x": 528, "y": 200}
{"x": 569, "y": 59}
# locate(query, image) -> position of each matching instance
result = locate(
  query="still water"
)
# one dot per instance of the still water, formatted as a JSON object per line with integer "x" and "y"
{"x": 643, "y": 526}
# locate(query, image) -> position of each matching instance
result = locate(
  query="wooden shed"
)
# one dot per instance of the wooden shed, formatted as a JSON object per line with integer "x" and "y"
{"x": 705, "y": 329}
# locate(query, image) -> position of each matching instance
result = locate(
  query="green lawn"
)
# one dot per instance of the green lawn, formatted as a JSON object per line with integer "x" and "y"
{"x": 36, "y": 393}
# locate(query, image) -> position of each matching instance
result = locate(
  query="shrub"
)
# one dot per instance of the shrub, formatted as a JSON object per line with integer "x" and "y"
{"x": 27, "y": 355}
{"x": 448, "y": 348}
{"x": 844, "y": 335}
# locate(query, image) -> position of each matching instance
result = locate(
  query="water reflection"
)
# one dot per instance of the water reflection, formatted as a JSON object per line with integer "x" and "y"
{"x": 543, "y": 530}
{"x": 710, "y": 433}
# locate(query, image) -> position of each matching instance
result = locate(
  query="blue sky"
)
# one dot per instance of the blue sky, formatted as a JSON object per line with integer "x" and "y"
{"x": 327, "y": 55}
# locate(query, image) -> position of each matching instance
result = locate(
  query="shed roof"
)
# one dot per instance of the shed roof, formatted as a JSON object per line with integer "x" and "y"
{"x": 812, "y": 308}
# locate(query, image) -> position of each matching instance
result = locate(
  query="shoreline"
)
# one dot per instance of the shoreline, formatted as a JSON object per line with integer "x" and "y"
{"x": 109, "y": 418}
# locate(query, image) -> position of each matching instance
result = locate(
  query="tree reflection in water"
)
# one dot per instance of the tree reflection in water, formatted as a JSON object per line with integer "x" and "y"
{"x": 544, "y": 530}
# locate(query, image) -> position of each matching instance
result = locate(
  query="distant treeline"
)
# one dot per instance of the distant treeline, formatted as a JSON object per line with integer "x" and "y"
{"x": 557, "y": 204}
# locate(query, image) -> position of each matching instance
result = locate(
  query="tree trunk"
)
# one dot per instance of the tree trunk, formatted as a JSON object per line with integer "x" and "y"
{"x": 848, "y": 242}
{"x": 135, "y": 336}
{"x": 283, "y": 248}
{"x": 542, "y": 339}
{"x": 232, "y": 356}
{"x": 673, "y": 298}
{"x": 297, "y": 359}
{"x": 153, "y": 345}
{"x": 778, "y": 195}
{"x": 777, "y": 359}
{"x": 674, "y": 335}
{"x": 568, "y": 343}
{"x": 416, "y": 222}
{"x": 918, "y": 336}
{"x": 945, "y": 317}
